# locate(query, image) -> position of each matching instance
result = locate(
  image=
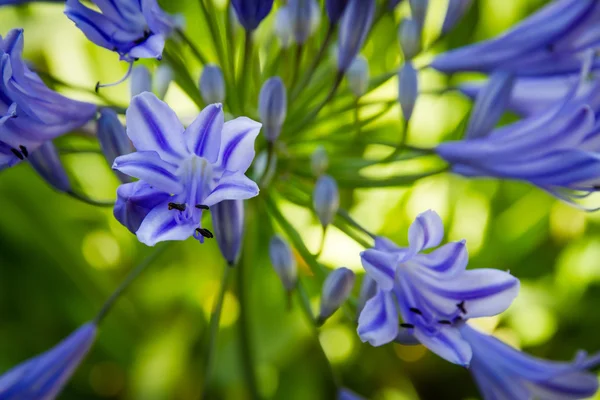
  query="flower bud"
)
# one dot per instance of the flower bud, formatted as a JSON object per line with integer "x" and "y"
{"x": 368, "y": 288}
{"x": 113, "y": 139}
{"x": 319, "y": 161}
{"x": 212, "y": 85}
{"x": 272, "y": 107}
{"x": 326, "y": 199}
{"x": 140, "y": 81}
{"x": 490, "y": 103}
{"x": 358, "y": 76}
{"x": 228, "y": 223}
{"x": 456, "y": 10}
{"x": 305, "y": 17}
{"x": 335, "y": 9}
{"x": 47, "y": 164}
{"x": 134, "y": 201}
{"x": 408, "y": 89}
{"x": 283, "y": 262}
{"x": 163, "y": 76}
{"x": 336, "y": 289}
{"x": 409, "y": 36}
{"x": 250, "y": 13}
{"x": 355, "y": 25}
{"x": 418, "y": 9}
{"x": 283, "y": 26}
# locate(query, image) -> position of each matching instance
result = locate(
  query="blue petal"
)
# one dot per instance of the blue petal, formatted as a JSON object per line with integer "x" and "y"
{"x": 134, "y": 201}
{"x": 149, "y": 167}
{"x": 381, "y": 266}
{"x": 203, "y": 136}
{"x": 152, "y": 47}
{"x": 153, "y": 126}
{"x": 232, "y": 186}
{"x": 425, "y": 232}
{"x": 446, "y": 343}
{"x": 237, "y": 144}
{"x": 162, "y": 224}
{"x": 378, "y": 321}
{"x": 450, "y": 259}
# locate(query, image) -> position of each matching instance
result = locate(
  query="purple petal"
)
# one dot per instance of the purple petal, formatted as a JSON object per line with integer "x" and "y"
{"x": 153, "y": 126}
{"x": 232, "y": 186}
{"x": 150, "y": 48}
{"x": 149, "y": 167}
{"x": 446, "y": 343}
{"x": 425, "y": 232}
{"x": 381, "y": 266}
{"x": 450, "y": 259}
{"x": 203, "y": 136}
{"x": 162, "y": 224}
{"x": 237, "y": 144}
{"x": 378, "y": 321}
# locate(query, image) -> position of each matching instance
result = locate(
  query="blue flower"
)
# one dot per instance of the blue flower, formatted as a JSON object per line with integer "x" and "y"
{"x": 198, "y": 166}
{"x": 44, "y": 376}
{"x": 455, "y": 11}
{"x": 548, "y": 42}
{"x": 46, "y": 162}
{"x": 335, "y": 9}
{"x": 557, "y": 150}
{"x": 134, "y": 202}
{"x": 502, "y": 372}
{"x": 132, "y": 28}
{"x": 30, "y": 113}
{"x": 355, "y": 25}
{"x": 250, "y": 13}
{"x": 228, "y": 222}
{"x": 431, "y": 292}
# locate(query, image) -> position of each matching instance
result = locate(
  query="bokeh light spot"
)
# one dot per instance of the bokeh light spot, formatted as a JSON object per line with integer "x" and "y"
{"x": 409, "y": 353}
{"x": 101, "y": 250}
{"x": 337, "y": 342}
{"x": 107, "y": 379}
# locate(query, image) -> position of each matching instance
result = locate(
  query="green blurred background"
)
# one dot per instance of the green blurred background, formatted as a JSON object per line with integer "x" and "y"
{"x": 60, "y": 259}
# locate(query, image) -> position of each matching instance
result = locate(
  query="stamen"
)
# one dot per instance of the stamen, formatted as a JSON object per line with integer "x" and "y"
{"x": 445, "y": 322}
{"x": 16, "y": 153}
{"x": 177, "y": 206}
{"x": 416, "y": 311}
{"x": 202, "y": 206}
{"x": 98, "y": 85}
{"x": 409, "y": 326}
{"x": 205, "y": 232}
{"x": 24, "y": 150}
{"x": 461, "y": 307}
{"x": 141, "y": 40}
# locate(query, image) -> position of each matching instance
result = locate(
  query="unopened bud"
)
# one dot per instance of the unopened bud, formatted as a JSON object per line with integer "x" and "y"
{"x": 272, "y": 107}
{"x": 140, "y": 81}
{"x": 409, "y": 36}
{"x": 355, "y": 24}
{"x": 336, "y": 290}
{"x": 163, "y": 76}
{"x": 113, "y": 139}
{"x": 283, "y": 262}
{"x": 358, "y": 76}
{"x": 305, "y": 17}
{"x": 228, "y": 223}
{"x": 408, "y": 89}
{"x": 47, "y": 164}
{"x": 335, "y": 9}
{"x": 319, "y": 161}
{"x": 326, "y": 199}
{"x": 283, "y": 26}
{"x": 418, "y": 9}
{"x": 212, "y": 85}
{"x": 456, "y": 10}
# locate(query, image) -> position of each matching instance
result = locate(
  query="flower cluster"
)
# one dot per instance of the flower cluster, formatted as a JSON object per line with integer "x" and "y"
{"x": 176, "y": 170}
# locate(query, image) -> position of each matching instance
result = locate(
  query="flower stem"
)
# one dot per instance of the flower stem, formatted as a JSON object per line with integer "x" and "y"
{"x": 296, "y": 65}
{"x": 247, "y": 352}
{"x": 270, "y": 156}
{"x": 201, "y": 57}
{"x": 245, "y": 73}
{"x": 97, "y": 203}
{"x": 128, "y": 280}
{"x": 213, "y": 333}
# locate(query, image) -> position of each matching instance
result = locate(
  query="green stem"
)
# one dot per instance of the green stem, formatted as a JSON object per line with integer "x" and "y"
{"x": 201, "y": 57}
{"x": 401, "y": 144}
{"x": 92, "y": 202}
{"x": 128, "y": 280}
{"x": 247, "y": 353}
{"x": 213, "y": 332}
{"x": 296, "y": 65}
{"x": 345, "y": 215}
{"x": 270, "y": 156}
{"x": 245, "y": 75}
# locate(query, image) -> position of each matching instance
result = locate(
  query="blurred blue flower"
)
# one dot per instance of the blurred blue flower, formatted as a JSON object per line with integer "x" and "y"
{"x": 408, "y": 89}
{"x": 336, "y": 290}
{"x": 284, "y": 263}
{"x": 335, "y": 9}
{"x": 326, "y": 199}
{"x": 305, "y": 16}
{"x": 141, "y": 80}
{"x": 30, "y": 113}
{"x": 135, "y": 200}
{"x": 548, "y": 42}
{"x": 15, "y": 2}
{"x": 347, "y": 394}
{"x": 409, "y": 36}
{"x": 132, "y": 28}
{"x": 557, "y": 150}
{"x": 418, "y": 9}
{"x": 46, "y": 162}
{"x": 113, "y": 139}
{"x": 44, "y": 376}
{"x": 355, "y": 25}
{"x": 432, "y": 292}
{"x": 358, "y": 76}
{"x": 502, "y": 372}
{"x": 250, "y": 13}
{"x": 199, "y": 166}
{"x": 228, "y": 222}
{"x": 163, "y": 76}
{"x": 455, "y": 11}
{"x": 212, "y": 84}
{"x": 272, "y": 107}
{"x": 319, "y": 161}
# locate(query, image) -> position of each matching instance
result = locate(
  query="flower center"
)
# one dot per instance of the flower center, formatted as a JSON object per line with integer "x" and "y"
{"x": 196, "y": 174}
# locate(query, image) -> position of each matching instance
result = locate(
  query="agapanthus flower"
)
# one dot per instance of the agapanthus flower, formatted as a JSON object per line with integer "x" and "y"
{"x": 557, "y": 150}
{"x": 44, "y": 376}
{"x": 431, "y": 292}
{"x": 197, "y": 166}
{"x": 502, "y": 372}
{"x": 132, "y": 28}
{"x": 30, "y": 113}
{"x": 550, "y": 41}
{"x": 250, "y": 13}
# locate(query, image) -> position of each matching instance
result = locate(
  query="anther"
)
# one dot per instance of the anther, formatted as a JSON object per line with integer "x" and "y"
{"x": 24, "y": 150}
{"x": 416, "y": 311}
{"x": 456, "y": 319}
{"x": 202, "y": 206}
{"x": 461, "y": 307}
{"x": 409, "y": 326}
{"x": 16, "y": 153}
{"x": 177, "y": 206}
{"x": 97, "y": 87}
{"x": 445, "y": 322}
{"x": 205, "y": 232}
